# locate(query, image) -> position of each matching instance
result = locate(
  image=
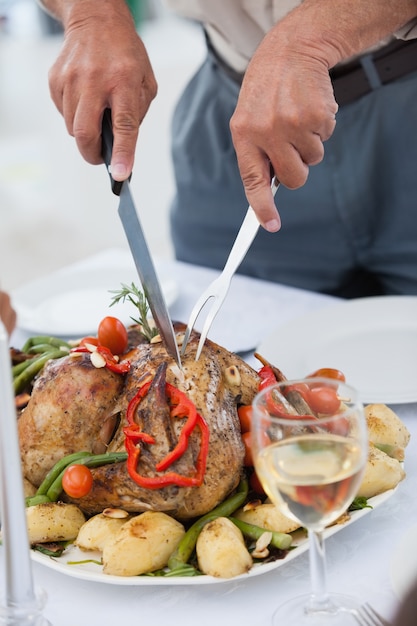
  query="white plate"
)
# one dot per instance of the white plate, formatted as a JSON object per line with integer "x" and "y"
{"x": 93, "y": 572}
{"x": 71, "y": 304}
{"x": 404, "y": 564}
{"x": 372, "y": 340}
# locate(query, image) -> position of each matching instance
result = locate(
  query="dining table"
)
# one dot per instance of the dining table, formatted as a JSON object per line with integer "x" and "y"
{"x": 359, "y": 556}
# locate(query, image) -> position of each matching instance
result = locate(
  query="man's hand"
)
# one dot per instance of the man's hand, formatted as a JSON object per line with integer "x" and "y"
{"x": 286, "y": 110}
{"x": 103, "y": 64}
{"x": 7, "y": 313}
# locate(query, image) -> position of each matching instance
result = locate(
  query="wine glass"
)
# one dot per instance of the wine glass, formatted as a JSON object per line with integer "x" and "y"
{"x": 310, "y": 446}
{"x": 23, "y": 605}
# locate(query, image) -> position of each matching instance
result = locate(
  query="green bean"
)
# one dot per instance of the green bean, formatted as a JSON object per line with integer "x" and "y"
{"x": 45, "y": 339}
{"x": 40, "y": 348}
{"x": 55, "y": 471}
{"x": 183, "y": 570}
{"x": 96, "y": 460}
{"x": 185, "y": 548}
{"x": 19, "y": 367}
{"x": 35, "y": 366}
{"x": 34, "y": 500}
{"x": 282, "y": 541}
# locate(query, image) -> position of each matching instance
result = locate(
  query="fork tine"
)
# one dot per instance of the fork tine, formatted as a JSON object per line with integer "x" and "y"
{"x": 203, "y": 299}
{"x": 378, "y": 619}
{"x": 360, "y": 619}
{"x": 368, "y": 616}
{"x": 209, "y": 320}
{"x": 220, "y": 286}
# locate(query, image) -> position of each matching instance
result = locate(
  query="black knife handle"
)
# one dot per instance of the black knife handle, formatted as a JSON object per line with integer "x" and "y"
{"x": 107, "y": 149}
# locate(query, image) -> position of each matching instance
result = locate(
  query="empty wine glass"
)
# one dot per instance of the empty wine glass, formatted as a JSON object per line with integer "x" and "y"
{"x": 310, "y": 446}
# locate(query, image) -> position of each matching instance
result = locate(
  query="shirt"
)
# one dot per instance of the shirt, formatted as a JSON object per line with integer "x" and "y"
{"x": 236, "y": 27}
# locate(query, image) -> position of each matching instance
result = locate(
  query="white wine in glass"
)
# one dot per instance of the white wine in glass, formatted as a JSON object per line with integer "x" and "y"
{"x": 310, "y": 446}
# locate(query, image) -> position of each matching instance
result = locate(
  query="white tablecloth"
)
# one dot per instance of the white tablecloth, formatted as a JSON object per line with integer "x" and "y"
{"x": 359, "y": 556}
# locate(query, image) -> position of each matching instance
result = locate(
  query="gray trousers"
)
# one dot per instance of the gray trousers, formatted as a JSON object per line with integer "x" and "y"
{"x": 351, "y": 230}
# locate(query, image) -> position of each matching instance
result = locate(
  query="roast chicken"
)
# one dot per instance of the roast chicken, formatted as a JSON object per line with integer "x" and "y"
{"x": 75, "y": 406}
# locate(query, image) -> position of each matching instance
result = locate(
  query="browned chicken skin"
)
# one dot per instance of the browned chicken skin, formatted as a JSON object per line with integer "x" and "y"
{"x": 72, "y": 402}
{"x": 72, "y": 408}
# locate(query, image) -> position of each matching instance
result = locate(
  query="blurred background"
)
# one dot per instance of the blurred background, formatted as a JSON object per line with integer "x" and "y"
{"x": 55, "y": 208}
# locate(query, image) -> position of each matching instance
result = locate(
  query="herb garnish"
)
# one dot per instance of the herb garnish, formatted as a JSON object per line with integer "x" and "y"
{"x": 359, "y": 503}
{"x": 139, "y": 300}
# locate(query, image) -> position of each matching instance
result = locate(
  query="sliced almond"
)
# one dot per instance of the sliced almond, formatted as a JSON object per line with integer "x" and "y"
{"x": 115, "y": 513}
{"x": 76, "y": 355}
{"x": 97, "y": 360}
{"x": 232, "y": 375}
{"x": 261, "y": 548}
{"x": 91, "y": 347}
{"x": 253, "y": 504}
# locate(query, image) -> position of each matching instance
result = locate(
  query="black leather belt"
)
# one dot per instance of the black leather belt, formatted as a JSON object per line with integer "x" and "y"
{"x": 370, "y": 71}
{"x": 359, "y": 77}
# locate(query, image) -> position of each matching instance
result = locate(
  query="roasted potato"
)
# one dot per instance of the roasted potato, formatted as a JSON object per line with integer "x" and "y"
{"x": 53, "y": 521}
{"x": 382, "y": 473}
{"x": 386, "y": 431}
{"x": 143, "y": 544}
{"x": 221, "y": 550}
{"x": 267, "y": 516}
{"x": 99, "y": 529}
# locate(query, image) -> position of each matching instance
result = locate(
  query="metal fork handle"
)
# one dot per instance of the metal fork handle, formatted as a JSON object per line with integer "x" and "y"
{"x": 219, "y": 287}
{"x": 245, "y": 237}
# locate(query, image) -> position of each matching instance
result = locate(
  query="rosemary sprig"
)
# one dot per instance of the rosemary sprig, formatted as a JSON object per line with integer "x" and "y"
{"x": 139, "y": 300}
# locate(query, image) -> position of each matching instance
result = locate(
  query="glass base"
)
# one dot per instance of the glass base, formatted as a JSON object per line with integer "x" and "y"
{"x": 339, "y": 610}
{"x": 26, "y": 613}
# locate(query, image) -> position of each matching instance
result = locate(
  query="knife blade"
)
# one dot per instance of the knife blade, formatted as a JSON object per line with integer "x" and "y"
{"x": 139, "y": 247}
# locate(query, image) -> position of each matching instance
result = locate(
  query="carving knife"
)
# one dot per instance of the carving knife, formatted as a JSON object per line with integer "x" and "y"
{"x": 139, "y": 248}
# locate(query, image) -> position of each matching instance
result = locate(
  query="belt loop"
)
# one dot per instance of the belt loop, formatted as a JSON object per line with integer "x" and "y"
{"x": 370, "y": 70}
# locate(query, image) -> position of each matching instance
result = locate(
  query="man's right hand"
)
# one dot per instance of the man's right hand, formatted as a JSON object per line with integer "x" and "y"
{"x": 103, "y": 64}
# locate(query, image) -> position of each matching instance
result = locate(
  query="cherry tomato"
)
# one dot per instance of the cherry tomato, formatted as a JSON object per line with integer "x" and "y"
{"x": 248, "y": 460}
{"x": 245, "y": 417}
{"x": 77, "y": 481}
{"x": 256, "y": 484}
{"x": 92, "y": 341}
{"x": 247, "y": 441}
{"x": 339, "y": 426}
{"x": 328, "y": 372}
{"x": 323, "y": 400}
{"x": 113, "y": 335}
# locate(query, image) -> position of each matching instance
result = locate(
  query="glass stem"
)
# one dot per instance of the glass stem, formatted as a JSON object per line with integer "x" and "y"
{"x": 319, "y": 596}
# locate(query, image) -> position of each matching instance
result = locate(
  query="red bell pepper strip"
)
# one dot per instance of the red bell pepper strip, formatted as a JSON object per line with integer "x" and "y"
{"x": 181, "y": 407}
{"x": 274, "y": 405}
{"x": 278, "y": 409}
{"x": 267, "y": 377}
{"x": 112, "y": 363}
